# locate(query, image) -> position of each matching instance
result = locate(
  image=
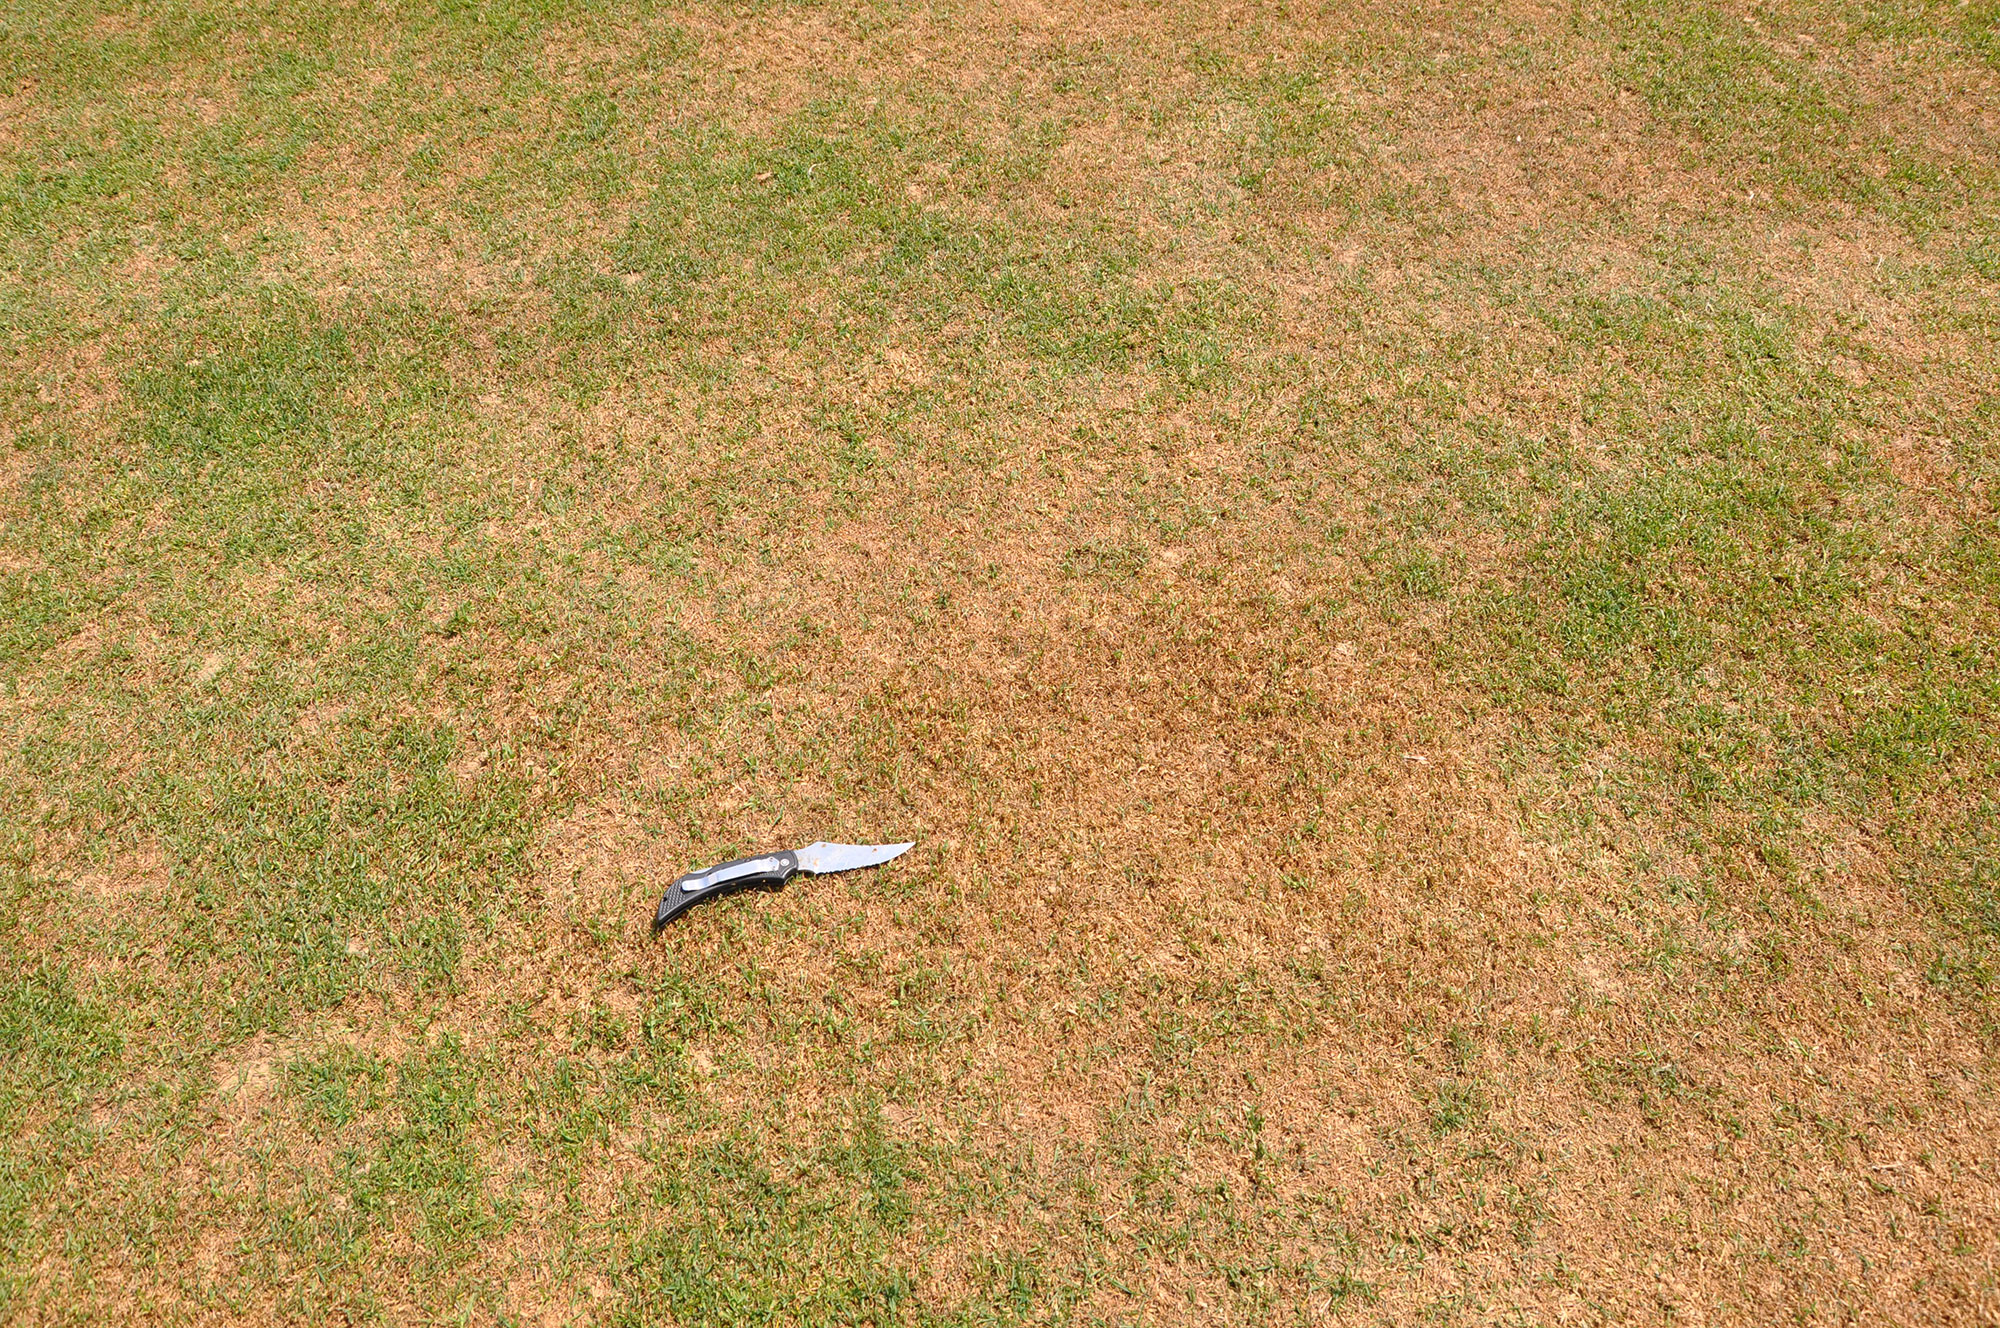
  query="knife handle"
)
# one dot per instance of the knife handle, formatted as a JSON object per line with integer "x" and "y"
{"x": 766, "y": 871}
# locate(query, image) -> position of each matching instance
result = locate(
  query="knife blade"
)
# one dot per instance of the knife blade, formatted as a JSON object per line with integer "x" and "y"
{"x": 768, "y": 871}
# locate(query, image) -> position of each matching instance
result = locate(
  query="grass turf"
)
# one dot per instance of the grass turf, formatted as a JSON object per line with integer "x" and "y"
{"x": 1424, "y": 580}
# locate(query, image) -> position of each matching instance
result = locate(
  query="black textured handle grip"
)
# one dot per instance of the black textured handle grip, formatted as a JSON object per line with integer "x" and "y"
{"x": 766, "y": 871}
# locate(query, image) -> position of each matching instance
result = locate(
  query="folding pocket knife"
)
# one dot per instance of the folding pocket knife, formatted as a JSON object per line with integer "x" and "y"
{"x": 768, "y": 872}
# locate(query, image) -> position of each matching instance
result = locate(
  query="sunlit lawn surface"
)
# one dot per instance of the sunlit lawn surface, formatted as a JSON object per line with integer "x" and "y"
{"x": 1424, "y": 580}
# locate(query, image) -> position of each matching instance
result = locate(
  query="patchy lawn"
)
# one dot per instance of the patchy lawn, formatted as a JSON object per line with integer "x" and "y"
{"x": 1425, "y": 580}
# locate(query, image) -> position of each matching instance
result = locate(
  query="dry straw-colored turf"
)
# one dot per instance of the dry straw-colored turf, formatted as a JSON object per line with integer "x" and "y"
{"x": 1424, "y": 580}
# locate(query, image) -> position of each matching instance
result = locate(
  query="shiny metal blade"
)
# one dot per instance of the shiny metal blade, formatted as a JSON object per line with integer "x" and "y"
{"x": 823, "y": 858}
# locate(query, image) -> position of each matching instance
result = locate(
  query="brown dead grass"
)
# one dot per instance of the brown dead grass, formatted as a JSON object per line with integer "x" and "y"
{"x": 1170, "y": 798}
{"x": 128, "y": 879}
